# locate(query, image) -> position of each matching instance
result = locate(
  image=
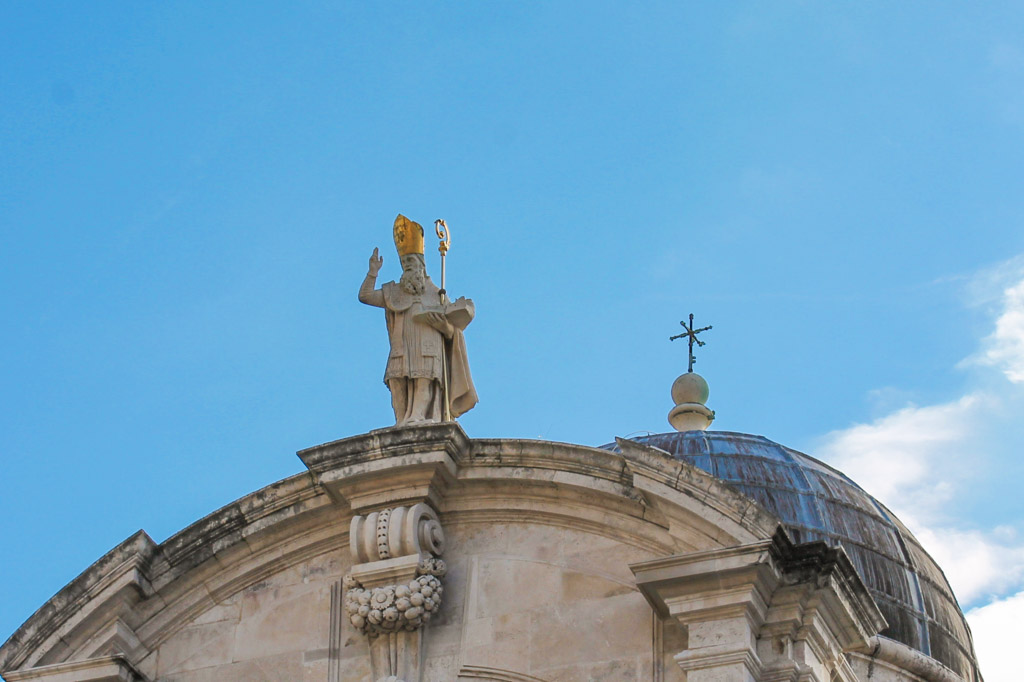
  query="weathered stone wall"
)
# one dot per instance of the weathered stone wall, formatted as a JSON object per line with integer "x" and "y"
{"x": 275, "y": 629}
{"x": 551, "y": 602}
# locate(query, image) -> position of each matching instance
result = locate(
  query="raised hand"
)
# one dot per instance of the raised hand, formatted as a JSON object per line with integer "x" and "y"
{"x": 375, "y": 262}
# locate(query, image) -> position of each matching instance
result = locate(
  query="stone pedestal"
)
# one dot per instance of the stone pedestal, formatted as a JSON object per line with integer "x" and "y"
{"x": 399, "y": 466}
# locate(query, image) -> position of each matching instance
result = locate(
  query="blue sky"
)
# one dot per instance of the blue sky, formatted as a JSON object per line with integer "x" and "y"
{"x": 189, "y": 193}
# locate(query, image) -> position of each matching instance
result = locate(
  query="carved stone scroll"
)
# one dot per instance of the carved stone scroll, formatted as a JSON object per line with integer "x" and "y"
{"x": 396, "y": 532}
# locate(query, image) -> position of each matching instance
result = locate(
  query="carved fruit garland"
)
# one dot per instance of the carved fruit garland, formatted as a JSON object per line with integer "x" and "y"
{"x": 396, "y": 607}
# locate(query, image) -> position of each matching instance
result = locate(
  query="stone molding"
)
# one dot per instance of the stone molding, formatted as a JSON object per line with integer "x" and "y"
{"x": 692, "y": 661}
{"x": 116, "y": 637}
{"x": 102, "y": 594}
{"x": 477, "y": 672}
{"x": 138, "y": 594}
{"x": 105, "y": 669}
{"x": 901, "y": 657}
{"x": 714, "y": 584}
{"x": 672, "y": 485}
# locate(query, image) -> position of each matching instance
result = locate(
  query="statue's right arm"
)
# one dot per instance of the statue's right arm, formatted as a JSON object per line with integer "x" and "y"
{"x": 368, "y": 294}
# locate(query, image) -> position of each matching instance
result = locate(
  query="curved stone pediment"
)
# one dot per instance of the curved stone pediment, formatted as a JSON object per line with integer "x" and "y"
{"x": 539, "y": 539}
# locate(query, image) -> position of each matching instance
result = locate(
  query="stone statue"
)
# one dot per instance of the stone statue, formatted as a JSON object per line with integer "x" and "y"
{"x": 427, "y": 366}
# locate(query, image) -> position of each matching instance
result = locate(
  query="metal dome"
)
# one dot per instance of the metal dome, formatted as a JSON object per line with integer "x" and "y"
{"x": 816, "y": 502}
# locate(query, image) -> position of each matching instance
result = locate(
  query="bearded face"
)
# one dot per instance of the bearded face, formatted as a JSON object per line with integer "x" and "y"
{"x": 414, "y": 275}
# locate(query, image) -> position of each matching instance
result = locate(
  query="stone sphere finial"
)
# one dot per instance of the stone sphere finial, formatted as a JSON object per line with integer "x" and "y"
{"x": 690, "y": 392}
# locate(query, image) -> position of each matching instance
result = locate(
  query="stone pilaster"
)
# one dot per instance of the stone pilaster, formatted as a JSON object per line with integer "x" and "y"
{"x": 766, "y": 611}
{"x": 393, "y": 480}
{"x": 720, "y": 597}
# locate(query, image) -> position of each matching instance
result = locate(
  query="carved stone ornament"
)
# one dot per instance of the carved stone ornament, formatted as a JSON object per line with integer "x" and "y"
{"x": 395, "y": 607}
{"x": 394, "y": 586}
{"x": 396, "y": 532}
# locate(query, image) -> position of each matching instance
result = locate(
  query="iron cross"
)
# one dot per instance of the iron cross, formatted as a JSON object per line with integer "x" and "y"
{"x": 690, "y": 333}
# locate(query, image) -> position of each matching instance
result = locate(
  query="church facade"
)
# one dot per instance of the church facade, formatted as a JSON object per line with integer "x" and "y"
{"x": 418, "y": 554}
{"x": 533, "y": 560}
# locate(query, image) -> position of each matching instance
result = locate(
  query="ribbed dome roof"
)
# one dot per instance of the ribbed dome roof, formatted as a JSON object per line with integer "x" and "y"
{"x": 816, "y": 502}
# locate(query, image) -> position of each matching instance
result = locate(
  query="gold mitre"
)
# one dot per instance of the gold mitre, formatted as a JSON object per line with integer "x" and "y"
{"x": 408, "y": 236}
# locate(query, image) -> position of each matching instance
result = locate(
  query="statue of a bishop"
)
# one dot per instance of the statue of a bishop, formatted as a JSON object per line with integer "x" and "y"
{"x": 427, "y": 365}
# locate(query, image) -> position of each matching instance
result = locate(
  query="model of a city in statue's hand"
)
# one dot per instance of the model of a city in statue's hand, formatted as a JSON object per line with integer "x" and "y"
{"x": 427, "y": 370}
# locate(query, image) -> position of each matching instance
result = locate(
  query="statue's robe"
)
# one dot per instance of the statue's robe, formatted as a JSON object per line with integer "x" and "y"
{"x": 417, "y": 348}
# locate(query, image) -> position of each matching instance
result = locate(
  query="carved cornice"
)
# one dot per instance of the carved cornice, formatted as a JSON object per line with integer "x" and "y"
{"x": 710, "y": 585}
{"x": 103, "y": 593}
{"x": 831, "y": 590}
{"x": 395, "y": 441}
{"x": 390, "y": 467}
{"x": 675, "y": 483}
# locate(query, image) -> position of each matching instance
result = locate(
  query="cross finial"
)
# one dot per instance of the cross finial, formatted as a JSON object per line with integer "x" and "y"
{"x": 691, "y": 334}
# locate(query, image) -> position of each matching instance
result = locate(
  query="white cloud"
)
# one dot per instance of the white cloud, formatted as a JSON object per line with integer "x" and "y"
{"x": 919, "y": 460}
{"x": 915, "y": 461}
{"x": 977, "y": 564}
{"x": 1005, "y": 347}
{"x": 996, "y": 630}
{"x": 986, "y": 288}
{"x": 904, "y": 458}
